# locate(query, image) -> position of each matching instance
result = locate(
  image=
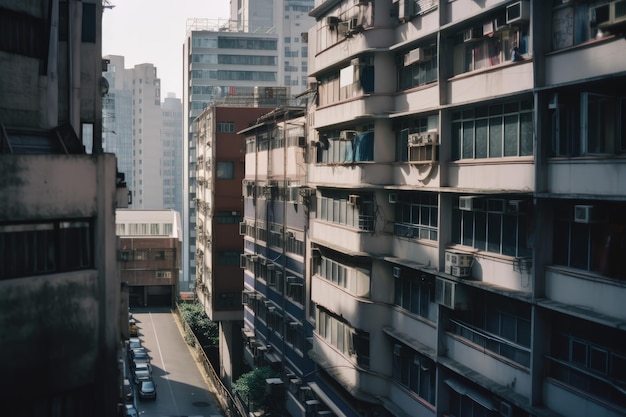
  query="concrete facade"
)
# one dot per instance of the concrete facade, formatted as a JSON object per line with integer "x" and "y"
{"x": 59, "y": 282}
{"x": 465, "y": 222}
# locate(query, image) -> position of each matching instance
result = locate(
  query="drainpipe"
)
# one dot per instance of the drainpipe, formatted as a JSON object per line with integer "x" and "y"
{"x": 74, "y": 45}
{"x": 52, "y": 107}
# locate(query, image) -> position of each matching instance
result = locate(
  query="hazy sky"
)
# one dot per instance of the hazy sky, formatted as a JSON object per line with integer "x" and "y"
{"x": 153, "y": 31}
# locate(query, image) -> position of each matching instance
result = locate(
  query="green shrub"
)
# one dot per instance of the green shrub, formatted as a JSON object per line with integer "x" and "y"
{"x": 205, "y": 330}
{"x": 251, "y": 386}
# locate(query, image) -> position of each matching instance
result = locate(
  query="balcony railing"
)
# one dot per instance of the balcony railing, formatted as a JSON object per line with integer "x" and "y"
{"x": 493, "y": 343}
{"x": 366, "y": 222}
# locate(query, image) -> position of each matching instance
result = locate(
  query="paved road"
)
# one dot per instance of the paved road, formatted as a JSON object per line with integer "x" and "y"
{"x": 182, "y": 390}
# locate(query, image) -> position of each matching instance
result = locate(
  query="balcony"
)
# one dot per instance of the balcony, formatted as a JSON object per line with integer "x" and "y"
{"x": 359, "y": 311}
{"x": 579, "y": 176}
{"x": 594, "y": 294}
{"x": 505, "y": 79}
{"x": 590, "y": 60}
{"x": 351, "y": 173}
{"x": 352, "y": 109}
{"x": 500, "y": 360}
{"x": 350, "y": 240}
{"x": 497, "y": 174}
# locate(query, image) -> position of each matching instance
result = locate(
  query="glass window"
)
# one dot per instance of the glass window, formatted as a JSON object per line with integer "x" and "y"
{"x": 225, "y": 170}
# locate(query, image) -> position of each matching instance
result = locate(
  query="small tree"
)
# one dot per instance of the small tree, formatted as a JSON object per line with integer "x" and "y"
{"x": 251, "y": 386}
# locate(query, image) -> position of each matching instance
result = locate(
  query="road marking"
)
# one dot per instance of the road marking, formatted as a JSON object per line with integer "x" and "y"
{"x": 169, "y": 384}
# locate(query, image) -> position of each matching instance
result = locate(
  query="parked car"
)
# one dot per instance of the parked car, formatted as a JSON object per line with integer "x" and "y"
{"x": 128, "y": 390}
{"x": 142, "y": 372}
{"x": 147, "y": 389}
{"x": 130, "y": 411}
{"x": 134, "y": 343}
{"x": 139, "y": 353}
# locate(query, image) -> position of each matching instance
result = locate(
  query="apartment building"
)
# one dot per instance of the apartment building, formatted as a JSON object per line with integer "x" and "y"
{"x": 276, "y": 208}
{"x": 466, "y": 226}
{"x": 59, "y": 281}
{"x": 220, "y": 170}
{"x": 149, "y": 254}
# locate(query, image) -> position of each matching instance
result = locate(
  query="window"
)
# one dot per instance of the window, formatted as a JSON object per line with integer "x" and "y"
{"x": 227, "y": 217}
{"x": 89, "y": 23}
{"x": 493, "y": 131}
{"x": 588, "y": 124}
{"x": 339, "y": 207}
{"x": 577, "y": 22}
{"x": 416, "y": 215}
{"x": 589, "y": 357}
{"x": 414, "y": 371}
{"x": 594, "y": 244}
{"x": 345, "y": 147}
{"x": 225, "y": 170}
{"x": 417, "y": 67}
{"x": 351, "y": 342}
{"x": 493, "y": 225}
{"x": 228, "y": 258}
{"x": 46, "y": 248}
{"x": 225, "y": 127}
{"x": 474, "y": 51}
{"x": 413, "y": 291}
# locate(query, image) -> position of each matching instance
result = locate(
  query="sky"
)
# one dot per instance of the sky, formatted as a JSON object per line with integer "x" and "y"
{"x": 153, "y": 32}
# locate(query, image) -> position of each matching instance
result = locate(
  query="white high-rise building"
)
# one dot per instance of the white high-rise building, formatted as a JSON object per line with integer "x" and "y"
{"x": 145, "y": 133}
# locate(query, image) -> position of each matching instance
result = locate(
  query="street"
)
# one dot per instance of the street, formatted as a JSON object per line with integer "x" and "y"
{"x": 181, "y": 388}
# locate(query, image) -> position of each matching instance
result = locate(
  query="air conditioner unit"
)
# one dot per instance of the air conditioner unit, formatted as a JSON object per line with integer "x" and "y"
{"x": 347, "y": 134}
{"x": 406, "y": 10}
{"x": 458, "y": 264}
{"x": 489, "y": 28}
{"x": 354, "y": 24}
{"x": 415, "y": 139}
{"x": 518, "y": 12}
{"x": 332, "y": 21}
{"x": 393, "y": 198}
{"x": 451, "y": 295}
{"x": 430, "y": 137}
{"x": 466, "y": 203}
{"x": 242, "y": 228}
{"x": 514, "y": 206}
{"x": 415, "y": 55}
{"x": 353, "y": 199}
{"x": 583, "y": 214}
{"x": 472, "y": 35}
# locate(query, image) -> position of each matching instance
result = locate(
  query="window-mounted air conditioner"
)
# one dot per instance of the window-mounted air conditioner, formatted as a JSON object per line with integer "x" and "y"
{"x": 415, "y": 139}
{"x": 518, "y": 12}
{"x": 416, "y": 55}
{"x": 466, "y": 203}
{"x": 347, "y": 134}
{"x": 584, "y": 214}
{"x": 397, "y": 272}
{"x": 472, "y": 35}
{"x": 451, "y": 294}
{"x": 393, "y": 198}
{"x": 458, "y": 264}
{"x": 353, "y": 199}
{"x": 242, "y": 228}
